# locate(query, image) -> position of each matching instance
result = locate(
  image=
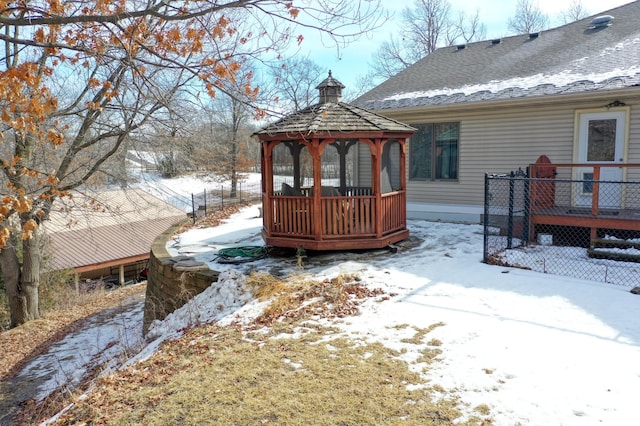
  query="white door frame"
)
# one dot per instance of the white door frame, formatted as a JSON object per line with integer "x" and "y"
{"x": 611, "y": 197}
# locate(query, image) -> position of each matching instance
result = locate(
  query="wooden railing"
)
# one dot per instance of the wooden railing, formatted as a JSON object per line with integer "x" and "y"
{"x": 341, "y": 216}
{"x": 348, "y": 216}
{"x": 609, "y": 198}
{"x": 292, "y": 216}
{"x": 393, "y": 211}
{"x": 554, "y": 185}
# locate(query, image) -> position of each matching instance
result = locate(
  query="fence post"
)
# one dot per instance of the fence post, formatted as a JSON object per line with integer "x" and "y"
{"x": 527, "y": 209}
{"x": 204, "y": 194}
{"x": 485, "y": 257}
{"x": 512, "y": 176}
{"x": 221, "y": 197}
{"x": 240, "y": 192}
{"x": 193, "y": 207}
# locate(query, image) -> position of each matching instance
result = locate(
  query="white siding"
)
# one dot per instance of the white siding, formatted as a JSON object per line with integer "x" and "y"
{"x": 502, "y": 139}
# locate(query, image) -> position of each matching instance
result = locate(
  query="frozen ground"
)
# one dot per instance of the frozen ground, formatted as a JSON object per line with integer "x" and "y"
{"x": 537, "y": 349}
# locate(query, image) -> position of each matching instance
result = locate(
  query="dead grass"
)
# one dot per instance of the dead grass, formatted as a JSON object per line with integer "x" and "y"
{"x": 283, "y": 370}
{"x": 417, "y": 338}
{"x": 298, "y": 298}
{"x": 217, "y": 376}
{"x": 291, "y": 372}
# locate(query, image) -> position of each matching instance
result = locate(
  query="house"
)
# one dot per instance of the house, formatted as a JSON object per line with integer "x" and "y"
{"x": 497, "y": 105}
{"x": 106, "y": 234}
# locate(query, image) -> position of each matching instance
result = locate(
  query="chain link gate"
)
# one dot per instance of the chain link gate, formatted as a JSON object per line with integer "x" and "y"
{"x": 583, "y": 228}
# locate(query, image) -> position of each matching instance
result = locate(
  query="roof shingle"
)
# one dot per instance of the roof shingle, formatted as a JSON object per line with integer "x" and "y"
{"x": 334, "y": 117}
{"x": 576, "y": 57}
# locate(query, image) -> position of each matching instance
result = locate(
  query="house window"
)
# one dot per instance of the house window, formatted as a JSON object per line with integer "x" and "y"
{"x": 601, "y": 141}
{"x": 587, "y": 183}
{"x": 434, "y": 152}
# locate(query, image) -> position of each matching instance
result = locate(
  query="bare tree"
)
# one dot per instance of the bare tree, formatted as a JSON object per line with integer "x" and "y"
{"x": 574, "y": 12}
{"x": 426, "y": 26}
{"x": 78, "y": 79}
{"x": 468, "y": 28}
{"x": 231, "y": 124}
{"x": 294, "y": 81}
{"x": 528, "y": 18}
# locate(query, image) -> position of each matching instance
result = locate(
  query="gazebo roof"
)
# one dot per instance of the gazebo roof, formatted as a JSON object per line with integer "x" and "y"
{"x": 334, "y": 117}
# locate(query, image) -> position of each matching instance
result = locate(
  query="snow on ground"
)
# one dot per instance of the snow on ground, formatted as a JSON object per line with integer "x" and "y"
{"x": 538, "y": 349}
{"x": 178, "y": 191}
{"x": 102, "y": 341}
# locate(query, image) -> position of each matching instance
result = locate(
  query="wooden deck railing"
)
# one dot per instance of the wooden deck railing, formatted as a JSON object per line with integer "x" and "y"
{"x": 341, "y": 216}
{"x": 393, "y": 211}
{"x": 605, "y": 200}
{"x": 348, "y": 216}
{"x": 554, "y": 185}
{"x": 292, "y": 216}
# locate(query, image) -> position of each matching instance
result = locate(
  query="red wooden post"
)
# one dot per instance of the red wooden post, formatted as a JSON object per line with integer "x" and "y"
{"x": 376, "y": 154}
{"x": 317, "y": 189}
{"x": 595, "y": 198}
{"x": 267, "y": 186}
{"x": 403, "y": 180}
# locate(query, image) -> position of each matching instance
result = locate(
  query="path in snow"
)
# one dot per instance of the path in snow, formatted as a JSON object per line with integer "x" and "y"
{"x": 100, "y": 342}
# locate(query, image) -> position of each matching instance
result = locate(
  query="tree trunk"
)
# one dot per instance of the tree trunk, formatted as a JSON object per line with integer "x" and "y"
{"x": 22, "y": 283}
{"x": 11, "y": 275}
{"x": 234, "y": 175}
{"x": 31, "y": 274}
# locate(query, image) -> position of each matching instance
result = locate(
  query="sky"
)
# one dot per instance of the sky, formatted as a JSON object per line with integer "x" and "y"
{"x": 536, "y": 348}
{"x": 352, "y": 61}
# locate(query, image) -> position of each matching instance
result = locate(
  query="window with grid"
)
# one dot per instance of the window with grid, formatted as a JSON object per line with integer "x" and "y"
{"x": 433, "y": 152}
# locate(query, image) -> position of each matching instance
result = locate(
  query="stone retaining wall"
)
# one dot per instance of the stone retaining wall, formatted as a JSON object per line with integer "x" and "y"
{"x": 172, "y": 281}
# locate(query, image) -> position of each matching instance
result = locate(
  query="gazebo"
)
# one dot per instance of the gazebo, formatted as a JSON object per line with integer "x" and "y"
{"x": 333, "y": 176}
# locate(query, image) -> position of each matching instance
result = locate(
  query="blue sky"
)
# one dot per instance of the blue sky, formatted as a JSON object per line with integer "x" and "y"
{"x": 353, "y": 60}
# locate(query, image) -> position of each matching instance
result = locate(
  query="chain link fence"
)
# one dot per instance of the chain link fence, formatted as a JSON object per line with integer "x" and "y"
{"x": 217, "y": 199}
{"x": 587, "y": 228}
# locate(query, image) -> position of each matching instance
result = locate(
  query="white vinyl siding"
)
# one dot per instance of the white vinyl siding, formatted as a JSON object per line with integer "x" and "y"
{"x": 501, "y": 140}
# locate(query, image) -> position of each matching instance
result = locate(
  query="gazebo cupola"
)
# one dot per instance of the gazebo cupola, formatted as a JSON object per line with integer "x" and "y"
{"x": 330, "y": 90}
{"x": 334, "y": 176}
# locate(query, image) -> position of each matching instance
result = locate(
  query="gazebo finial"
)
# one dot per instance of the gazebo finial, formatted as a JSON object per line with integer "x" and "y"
{"x": 330, "y": 90}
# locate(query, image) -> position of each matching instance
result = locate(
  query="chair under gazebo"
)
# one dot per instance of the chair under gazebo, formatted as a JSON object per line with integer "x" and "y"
{"x": 333, "y": 177}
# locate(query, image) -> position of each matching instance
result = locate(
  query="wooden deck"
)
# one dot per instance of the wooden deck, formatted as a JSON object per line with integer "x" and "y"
{"x": 625, "y": 219}
{"x": 546, "y": 207}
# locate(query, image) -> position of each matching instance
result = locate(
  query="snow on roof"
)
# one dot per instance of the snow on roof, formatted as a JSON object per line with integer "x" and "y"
{"x": 562, "y": 79}
{"x": 573, "y": 58}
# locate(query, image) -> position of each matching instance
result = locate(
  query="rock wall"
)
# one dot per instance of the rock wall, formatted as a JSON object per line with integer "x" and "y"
{"x": 172, "y": 281}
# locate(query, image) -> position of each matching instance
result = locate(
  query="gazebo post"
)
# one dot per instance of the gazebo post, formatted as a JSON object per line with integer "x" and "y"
{"x": 317, "y": 189}
{"x": 376, "y": 158}
{"x": 267, "y": 184}
{"x": 403, "y": 165}
{"x": 403, "y": 177}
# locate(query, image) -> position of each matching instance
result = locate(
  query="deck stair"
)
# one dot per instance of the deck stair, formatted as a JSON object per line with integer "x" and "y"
{"x": 601, "y": 248}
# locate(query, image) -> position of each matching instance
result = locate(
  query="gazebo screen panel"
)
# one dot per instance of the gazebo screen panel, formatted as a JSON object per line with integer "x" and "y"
{"x": 390, "y": 167}
{"x": 283, "y": 169}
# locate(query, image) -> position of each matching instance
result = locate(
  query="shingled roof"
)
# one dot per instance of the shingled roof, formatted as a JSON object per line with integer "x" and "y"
{"x": 577, "y": 57}
{"x": 331, "y": 115}
{"x": 334, "y": 117}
